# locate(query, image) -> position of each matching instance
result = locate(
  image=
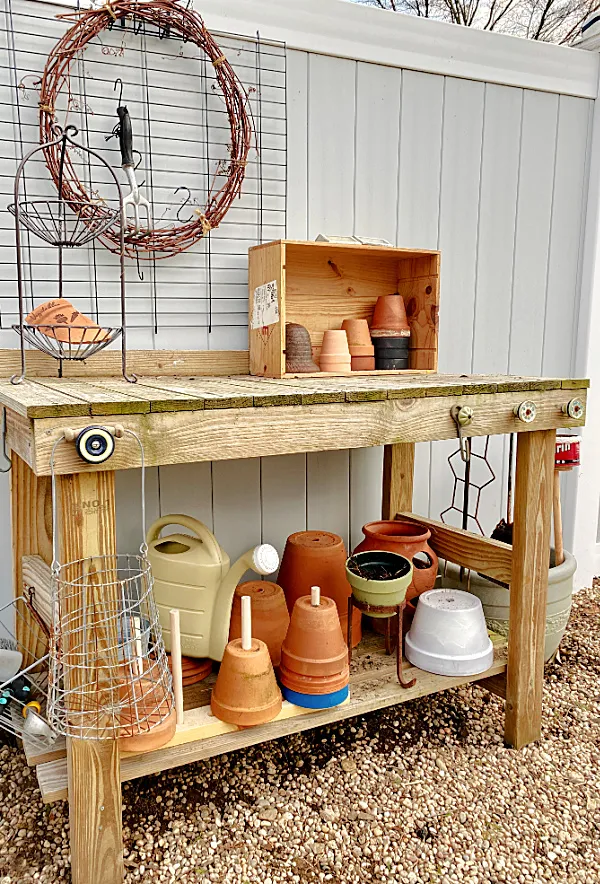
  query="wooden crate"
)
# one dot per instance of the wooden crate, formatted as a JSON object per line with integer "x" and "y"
{"x": 320, "y": 284}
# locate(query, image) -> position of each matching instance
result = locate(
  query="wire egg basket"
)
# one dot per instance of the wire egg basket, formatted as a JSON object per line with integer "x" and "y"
{"x": 109, "y": 673}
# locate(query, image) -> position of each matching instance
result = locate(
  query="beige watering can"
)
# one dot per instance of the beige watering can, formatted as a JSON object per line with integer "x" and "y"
{"x": 193, "y": 574}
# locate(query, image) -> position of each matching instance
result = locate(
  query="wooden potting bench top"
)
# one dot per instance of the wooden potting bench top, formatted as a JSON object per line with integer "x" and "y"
{"x": 193, "y": 418}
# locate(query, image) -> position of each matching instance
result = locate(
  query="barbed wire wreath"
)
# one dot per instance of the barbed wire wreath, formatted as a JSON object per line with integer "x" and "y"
{"x": 171, "y": 18}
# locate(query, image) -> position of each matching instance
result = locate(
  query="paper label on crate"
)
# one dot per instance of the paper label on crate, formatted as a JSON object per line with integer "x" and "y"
{"x": 265, "y": 307}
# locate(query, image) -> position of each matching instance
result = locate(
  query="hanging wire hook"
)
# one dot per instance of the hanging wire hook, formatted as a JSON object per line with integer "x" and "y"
{"x": 184, "y": 203}
{"x": 140, "y": 272}
{"x": 119, "y": 82}
{"x": 5, "y": 469}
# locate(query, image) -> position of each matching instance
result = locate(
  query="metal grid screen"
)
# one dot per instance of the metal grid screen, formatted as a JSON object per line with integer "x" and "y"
{"x": 181, "y": 131}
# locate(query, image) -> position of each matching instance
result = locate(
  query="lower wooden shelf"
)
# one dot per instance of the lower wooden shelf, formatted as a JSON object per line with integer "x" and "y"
{"x": 373, "y": 685}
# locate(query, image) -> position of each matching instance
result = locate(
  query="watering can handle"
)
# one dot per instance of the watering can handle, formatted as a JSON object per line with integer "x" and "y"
{"x": 193, "y": 525}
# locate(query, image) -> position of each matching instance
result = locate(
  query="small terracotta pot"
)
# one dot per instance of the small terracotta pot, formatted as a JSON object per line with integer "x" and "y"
{"x": 336, "y": 367}
{"x": 318, "y": 558}
{"x": 270, "y": 617}
{"x": 60, "y": 311}
{"x": 390, "y": 314}
{"x": 314, "y": 645}
{"x": 335, "y": 344}
{"x": 363, "y": 363}
{"x": 246, "y": 691}
{"x": 298, "y": 349}
{"x": 359, "y": 337}
{"x": 151, "y": 705}
{"x": 408, "y": 539}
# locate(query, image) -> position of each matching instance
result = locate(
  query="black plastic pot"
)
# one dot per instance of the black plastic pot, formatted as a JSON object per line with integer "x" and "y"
{"x": 391, "y": 364}
{"x": 395, "y": 343}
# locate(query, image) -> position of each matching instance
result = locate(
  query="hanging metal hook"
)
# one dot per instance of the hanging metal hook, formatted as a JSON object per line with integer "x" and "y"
{"x": 184, "y": 203}
{"x": 5, "y": 469}
{"x": 140, "y": 272}
{"x": 119, "y": 82}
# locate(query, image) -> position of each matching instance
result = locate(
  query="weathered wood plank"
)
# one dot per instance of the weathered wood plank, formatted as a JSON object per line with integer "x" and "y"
{"x": 185, "y": 436}
{"x": 398, "y": 479}
{"x": 529, "y": 587}
{"x": 99, "y": 399}
{"x": 369, "y": 690}
{"x": 209, "y": 363}
{"x": 33, "y": 400}
{"x": 470, "y": 550}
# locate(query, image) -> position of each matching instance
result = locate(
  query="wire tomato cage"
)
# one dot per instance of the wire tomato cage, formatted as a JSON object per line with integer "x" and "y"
{"x": 109, "y": 674}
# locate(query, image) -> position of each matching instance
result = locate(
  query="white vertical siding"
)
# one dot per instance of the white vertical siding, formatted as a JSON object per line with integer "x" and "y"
{"x": 493, "y": 175}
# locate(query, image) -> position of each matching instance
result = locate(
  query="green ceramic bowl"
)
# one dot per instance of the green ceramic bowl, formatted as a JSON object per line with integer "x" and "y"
{"x": 369, "y": 588}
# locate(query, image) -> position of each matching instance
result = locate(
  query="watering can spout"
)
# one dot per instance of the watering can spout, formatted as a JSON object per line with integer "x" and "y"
{"x": 263, "y": 559}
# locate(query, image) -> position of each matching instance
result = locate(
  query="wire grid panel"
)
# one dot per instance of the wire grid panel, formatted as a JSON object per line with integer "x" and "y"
{"x": 109, "y": 675}
{"x": 24, "y": 673}
{"x": 181, "y": 130}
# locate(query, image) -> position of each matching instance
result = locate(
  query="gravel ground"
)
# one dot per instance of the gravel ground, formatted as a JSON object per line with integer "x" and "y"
{"x": 423, "y": 792}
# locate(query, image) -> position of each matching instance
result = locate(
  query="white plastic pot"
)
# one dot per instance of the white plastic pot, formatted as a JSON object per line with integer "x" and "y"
{"x": 448, "y": 635}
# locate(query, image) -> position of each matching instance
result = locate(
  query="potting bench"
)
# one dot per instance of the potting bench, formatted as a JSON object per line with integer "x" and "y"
{"x": 181, "y": 417}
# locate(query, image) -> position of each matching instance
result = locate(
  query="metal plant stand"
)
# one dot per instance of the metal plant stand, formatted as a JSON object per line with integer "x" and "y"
{"x": 388, "y": 611}
{"x": 67, "y": 224}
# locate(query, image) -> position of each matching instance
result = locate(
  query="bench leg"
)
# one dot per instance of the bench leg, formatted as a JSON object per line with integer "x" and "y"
{"x": 529, "y": 587}
{"x": 88, "y": 529}
{"x": 398, "y": 479}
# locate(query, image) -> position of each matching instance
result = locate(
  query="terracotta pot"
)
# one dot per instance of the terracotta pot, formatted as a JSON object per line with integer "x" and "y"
{"x": 318, "y": 558}
{"x": 335, "y": 344}
{"x": 270, "y": 617}
{"x": 60, "y": 311}
{"x": 359, "y": 337}
{"x": 298, "y": 349}
{"x": 336, "y": 367}
{"x": 314, "y": 645}
{"x": 246, "y": 691}
{"x": 389, "y": 314}
{"x": 363, "y": 363}
{"x": 408, "y": 539}
{"x": 151, "y": 704}
{"x": 193, "y": 670}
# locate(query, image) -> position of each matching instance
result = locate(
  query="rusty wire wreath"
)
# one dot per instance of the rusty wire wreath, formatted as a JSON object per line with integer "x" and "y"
{"x": 170, "y": 18}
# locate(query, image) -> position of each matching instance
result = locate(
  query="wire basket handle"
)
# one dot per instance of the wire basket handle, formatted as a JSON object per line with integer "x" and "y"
{"x": 143, "y": 545}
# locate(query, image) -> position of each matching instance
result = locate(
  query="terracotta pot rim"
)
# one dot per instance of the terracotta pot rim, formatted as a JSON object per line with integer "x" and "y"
{"x": 416, "y": 533}
{"x": 294, "y": 540}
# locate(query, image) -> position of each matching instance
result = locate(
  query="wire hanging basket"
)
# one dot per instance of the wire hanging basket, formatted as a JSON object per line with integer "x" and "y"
{"x": 109, "y": 674}
{"x": 24, "y": 674}
{"x": 63, "y": 224}
{"x": 73, "y": 342}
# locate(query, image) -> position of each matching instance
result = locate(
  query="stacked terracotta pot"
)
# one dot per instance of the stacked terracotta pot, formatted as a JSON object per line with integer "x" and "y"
{"x": 270, "y": 617}
{"x": 335, "y": 353}
{"x": 314, "y": 670}
{"x": 362, "y": 351}
{"x": 318, "y": 558}
{"x": 390, "y": 332}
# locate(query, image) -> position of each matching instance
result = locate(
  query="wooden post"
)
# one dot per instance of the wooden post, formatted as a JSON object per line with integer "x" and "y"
{"x": 88, "y": 529}
{"x": 31, "y": 526}
{"x": 529, "y": 587}
{"x": 398, "y": 477}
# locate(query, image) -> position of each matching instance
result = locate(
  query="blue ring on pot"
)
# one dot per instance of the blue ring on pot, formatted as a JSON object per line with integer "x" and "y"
{"x": 316, "y": 701}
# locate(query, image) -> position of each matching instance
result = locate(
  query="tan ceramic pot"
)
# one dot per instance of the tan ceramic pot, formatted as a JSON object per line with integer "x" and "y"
{"x": 193, "y": 670}
{"x": 318, "y": 558}
{"x": 408, "y": 539}
{"x": 270, "y": 617}
{"x": 335, "y": 344}
{"x": 246, "y": 692}
{"x": 314, "y": 654}
{"x": 389, "y": 315}
{"x": 298, "y": 350}
{"x": 141, "y": 727}
{"x": 359, "y": 337}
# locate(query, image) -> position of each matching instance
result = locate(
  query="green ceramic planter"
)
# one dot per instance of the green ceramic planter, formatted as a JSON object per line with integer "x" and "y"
{"x": 374, "y": 592}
